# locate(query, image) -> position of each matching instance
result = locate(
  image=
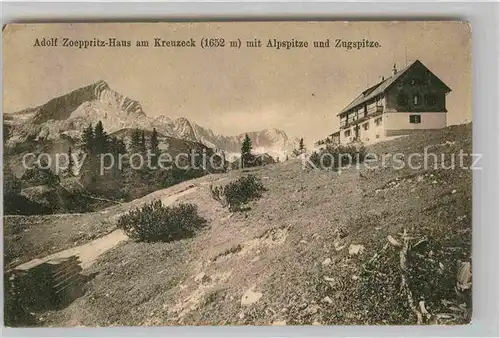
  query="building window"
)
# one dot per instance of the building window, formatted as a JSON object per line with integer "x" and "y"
{"x": 416, "y": 99}
{"x": 365, "y": 126}
{"x": 415, "y": 119}
{"x": 402, "y": 99}
{"x": 347, "y": 133}
{"x": 378, "y": 121}
{"x": 430, "y": 99}
{"x": 377, "y": 136}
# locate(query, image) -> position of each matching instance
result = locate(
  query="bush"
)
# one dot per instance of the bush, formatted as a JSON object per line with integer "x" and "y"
{"x": 15, "y": 312}
{"x": 39, "y": 176}
{"x": 335, "y": 156}
{"x": 239, "y": 192}
{"x": 155, "y": 222}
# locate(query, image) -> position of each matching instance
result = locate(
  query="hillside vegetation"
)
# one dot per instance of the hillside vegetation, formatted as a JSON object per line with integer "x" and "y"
{"x": 45, "y": 190}
{"x": 94, "y": 120}
{"x": 373, "y": 245}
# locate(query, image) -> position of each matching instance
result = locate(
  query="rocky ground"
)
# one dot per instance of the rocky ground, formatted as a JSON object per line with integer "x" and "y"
{"x": 363, "y": 246}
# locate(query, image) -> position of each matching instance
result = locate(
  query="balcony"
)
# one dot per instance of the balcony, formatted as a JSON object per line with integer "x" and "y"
{"x": 355, "y": 119}
{"x": 374, "y": 110}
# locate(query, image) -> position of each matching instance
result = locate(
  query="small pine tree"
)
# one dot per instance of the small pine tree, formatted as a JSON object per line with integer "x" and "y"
{"x": 135, "y": 141}
{"x": 154, "y": 147}
{"x": 116, "y": 147}
{"x": 88, "y": 139}
{"x": 71, "y": 163}
{"x": 154, "y": 143}
{"x": 137, "y": 147}
{"x": 246, "y": 151}
{"x": 101, "y": 139}
{"x": 143, "y": 147}
{"x": 301, "y": 145}
{"x": 89, "y": 145}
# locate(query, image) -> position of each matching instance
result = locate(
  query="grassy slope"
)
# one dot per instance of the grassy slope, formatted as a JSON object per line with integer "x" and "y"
{"x": 28, "y": 237}
{"x": 277, "y": 249}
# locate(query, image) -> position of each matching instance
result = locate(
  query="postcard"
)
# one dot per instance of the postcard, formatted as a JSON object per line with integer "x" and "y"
{"x": 237, "y": 173}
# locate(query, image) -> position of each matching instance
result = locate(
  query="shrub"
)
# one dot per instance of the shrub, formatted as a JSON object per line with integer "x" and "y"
{"x": 239, "y": 192}
{"x": 334, "y": 156}
{"x": 15, "y": 312}
{"x": 39, "y": 176}
{"x": 155, "y": 222}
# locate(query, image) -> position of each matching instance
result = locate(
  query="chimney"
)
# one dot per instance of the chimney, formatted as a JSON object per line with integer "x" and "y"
{"x": 383, "y": 78}
{"x": 394, "y": 70}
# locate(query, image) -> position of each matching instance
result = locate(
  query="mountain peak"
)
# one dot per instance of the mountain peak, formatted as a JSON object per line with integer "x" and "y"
{"x": 100, "y": 85}
{"x": 98, "y": 102}
{"x": 101, "y": 81}
{"x": 183, "y": 127}
{"x": 181, "y": 120}
{"x": 62, "y": 107}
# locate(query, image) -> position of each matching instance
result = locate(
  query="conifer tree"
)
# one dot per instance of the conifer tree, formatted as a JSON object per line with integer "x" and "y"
{"x": 101, "y": 138}
{"x": 143, "y": 148}
{"x": 301, "y": 145}
{"x": 246, "y": 151}
{"x": 89, "y": 145}
{"x": 136, "y": 148}
{"x": 88, "y": 139}
{"x": 115, "y": 147}
{"x": 135, "y": 141}
{"x": 154, "y": 143}
{"x": 154, "y": 146}
{"x": 71, "y": 163}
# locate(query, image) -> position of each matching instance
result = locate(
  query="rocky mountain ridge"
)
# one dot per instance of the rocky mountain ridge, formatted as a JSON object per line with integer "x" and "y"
{"x": 66, "y": 106}
{"x": 69, "y": 114}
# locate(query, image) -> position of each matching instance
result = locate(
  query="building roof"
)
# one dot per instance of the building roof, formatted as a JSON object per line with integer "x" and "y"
{"x": 380, "y": 88}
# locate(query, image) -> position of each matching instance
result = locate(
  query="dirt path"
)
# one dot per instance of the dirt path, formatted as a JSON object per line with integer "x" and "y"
{"x": 89, "y": 252}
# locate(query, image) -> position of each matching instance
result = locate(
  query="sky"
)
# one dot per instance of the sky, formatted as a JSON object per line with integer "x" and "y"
{"x": 236, "y": 90}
